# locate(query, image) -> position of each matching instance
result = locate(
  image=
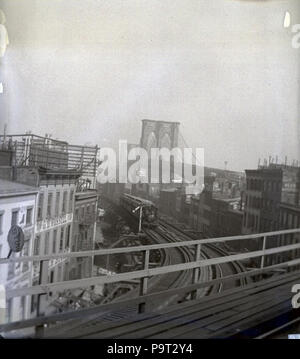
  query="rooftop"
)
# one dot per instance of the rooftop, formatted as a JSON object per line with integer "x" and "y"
{"x": 44, "y": 152}
{"x": 86, "y": 193}
{"x": 9, "y": 188}
{"x": 169, "y": 122}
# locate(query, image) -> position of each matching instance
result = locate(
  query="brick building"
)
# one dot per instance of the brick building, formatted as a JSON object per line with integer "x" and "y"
{"x": 272, "y": 203}
{"x": 268, "y": 188}
{"x": 226, "y": 217}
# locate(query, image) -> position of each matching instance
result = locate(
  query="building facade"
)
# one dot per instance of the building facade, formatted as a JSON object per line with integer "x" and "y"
{"x": 17, "y": 207}
{"x": 226, "y": 218}
{"x": 54, "y": 168}
{"x": 201, "y": 207}
{"x": 170, "y": 202}
{"x": 268, "y": 188}
{"x": 53, "y": 228}
{"x": 272, "y": 203}
{"x": 84, "y": 232}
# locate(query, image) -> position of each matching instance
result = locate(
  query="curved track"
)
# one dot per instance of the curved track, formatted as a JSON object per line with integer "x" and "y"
{"x": 158, "y": 283}
{"x": 165, "y": 232}
{"x": 211, "y": 251}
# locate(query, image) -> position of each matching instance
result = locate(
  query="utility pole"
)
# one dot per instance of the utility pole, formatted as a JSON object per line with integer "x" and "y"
{"x": 140, "y": 219}
{"x": 4, "y": 134}
{"x": 140, "y": 216}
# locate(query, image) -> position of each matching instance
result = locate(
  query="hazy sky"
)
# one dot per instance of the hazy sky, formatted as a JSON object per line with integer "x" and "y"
{"x": 89, "y": 70}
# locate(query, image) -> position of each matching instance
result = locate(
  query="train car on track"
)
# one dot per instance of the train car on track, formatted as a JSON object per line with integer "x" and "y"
{"x": 133, "y": 205}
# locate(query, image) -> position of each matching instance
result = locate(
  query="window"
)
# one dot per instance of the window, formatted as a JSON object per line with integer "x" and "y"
{"x": 23, "y": 307}
{"x": 9, "y": 310}
{"x": 61, "y": 242}
{"x": 25, "y": 252}
{"x": 40, "y": 206}
{"x": 74, "y": 242}
{"x": 290, "y": 220}
{"x": 29, "y": 216}
{"x": 273, "y": 186}
{"x": 269, "y": 186}
{"x": 59, "y": 274}
{"x": 92, "y": 208}
{"x": 80, "y": 270}
{"x": 71, "y": 201}
{"x": 248, "y": 183}
{"x": 49, "y": 204}
{"x": 34, "y": 300}
{"x": 14, "y": 217}
{"x": 68, "y": 236}
{"x": 57, "y": 203}
{"x": 54, "y": 241}
{"x": 11, "y": 269}
{"x": 52, "y": 277}
{"x": 1, "y": 221}
{"x": 64, "y": 204}
{"x": 278, "y": 186}
{"x": 37, "y": 246}
{"x": 46, "y": 250}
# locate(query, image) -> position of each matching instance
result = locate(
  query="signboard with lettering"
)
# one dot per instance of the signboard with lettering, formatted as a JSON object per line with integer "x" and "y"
{"x": 49, "y": 223}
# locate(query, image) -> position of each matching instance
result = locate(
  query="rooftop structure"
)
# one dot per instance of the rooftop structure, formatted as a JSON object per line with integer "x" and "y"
{"x": 50, "y": 155}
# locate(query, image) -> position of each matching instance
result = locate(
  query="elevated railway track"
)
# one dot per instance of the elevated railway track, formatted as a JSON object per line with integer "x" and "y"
{"x": 236, "y": 313}
{"x": 169, "y": 232}
{"x": 217, "y": 315}
{"x": 209, "y": 251}
{"x": 164, "y": 233}
{"x": 154, "y": 284}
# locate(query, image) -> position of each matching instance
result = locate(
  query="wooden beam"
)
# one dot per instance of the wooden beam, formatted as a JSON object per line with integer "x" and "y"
{"x": 116, "y": 305}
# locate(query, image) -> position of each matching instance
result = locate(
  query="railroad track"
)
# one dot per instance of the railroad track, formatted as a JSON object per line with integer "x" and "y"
{"x": 225, "y": 269}
{"x": 165, "y": 281}
{"x": 165, "y": 232}
{"x": 78, "y": 328}
{"x": 176, "y": 256}
{"x": 210, "y": 251}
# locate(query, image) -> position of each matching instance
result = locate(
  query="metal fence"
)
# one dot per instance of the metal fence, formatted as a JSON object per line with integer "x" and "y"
{"x": 36, "y": 151}
{"x": 288, "y": 262}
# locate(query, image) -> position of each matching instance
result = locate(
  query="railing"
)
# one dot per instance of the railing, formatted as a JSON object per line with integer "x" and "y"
{"x": 143, "y": 274}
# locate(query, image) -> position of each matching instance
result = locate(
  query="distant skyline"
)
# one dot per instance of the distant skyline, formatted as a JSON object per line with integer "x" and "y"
{"x": 88, "y": 71}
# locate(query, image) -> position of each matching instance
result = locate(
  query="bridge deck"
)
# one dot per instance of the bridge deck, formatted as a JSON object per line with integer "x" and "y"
{"x": 222, "y": 315}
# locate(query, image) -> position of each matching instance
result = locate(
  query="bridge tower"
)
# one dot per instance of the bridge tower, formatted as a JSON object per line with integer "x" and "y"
{"x": 159, "y": 134}
{"x": 156, "y": 134}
